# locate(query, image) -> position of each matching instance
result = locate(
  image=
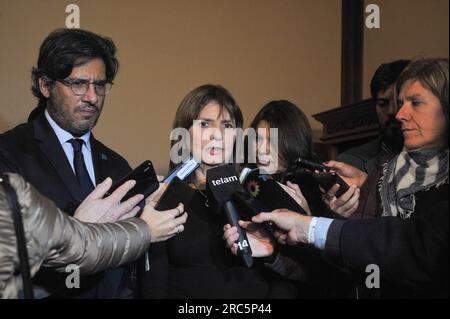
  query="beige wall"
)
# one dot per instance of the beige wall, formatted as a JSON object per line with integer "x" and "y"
{"x": 259, "y": 49}
{"x": 409, "y": 29}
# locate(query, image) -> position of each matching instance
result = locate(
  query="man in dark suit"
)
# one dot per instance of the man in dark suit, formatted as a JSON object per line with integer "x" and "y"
{"x": 55, "y": 150}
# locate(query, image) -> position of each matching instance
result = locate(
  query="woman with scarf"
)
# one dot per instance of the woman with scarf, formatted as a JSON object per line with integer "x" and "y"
{"x": 407, "y": 247}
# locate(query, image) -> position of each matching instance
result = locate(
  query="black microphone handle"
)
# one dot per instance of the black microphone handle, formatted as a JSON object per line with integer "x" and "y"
{"x": 242, "y": 242}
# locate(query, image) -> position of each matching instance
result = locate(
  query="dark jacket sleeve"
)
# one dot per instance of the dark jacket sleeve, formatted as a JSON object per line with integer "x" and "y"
{"x": 412, "y": 254}
{"x": 6, "y": 162}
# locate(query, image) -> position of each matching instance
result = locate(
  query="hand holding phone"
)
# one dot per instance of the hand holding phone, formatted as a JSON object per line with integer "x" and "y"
{"x": 326, "y": 180}
{"x": 146, "y": 181}
{"x": 351, "y": 174}
{"x": 324, "y": 176}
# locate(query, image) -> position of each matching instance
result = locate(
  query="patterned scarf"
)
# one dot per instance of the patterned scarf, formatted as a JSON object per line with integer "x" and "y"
{"x": 409, "y": 173}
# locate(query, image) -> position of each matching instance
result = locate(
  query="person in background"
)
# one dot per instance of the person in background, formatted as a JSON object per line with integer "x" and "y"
{"x": 295, "y": 141}
{"x": 369, "y": 156}
{"x": 56, "y": 151}
{"x": 409, "y": 242}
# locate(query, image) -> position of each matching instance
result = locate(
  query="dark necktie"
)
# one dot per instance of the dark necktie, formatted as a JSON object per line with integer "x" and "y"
{"x": 81, "y": 171}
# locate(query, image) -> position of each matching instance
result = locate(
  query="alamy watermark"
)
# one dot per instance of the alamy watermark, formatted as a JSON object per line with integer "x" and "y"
{"x": 246, "y": 144}
{"x": 373, "y": 279}
{"x": 373, "y": 18}
{"x": 73, "y": 277}
{"x": 73, "y": 17}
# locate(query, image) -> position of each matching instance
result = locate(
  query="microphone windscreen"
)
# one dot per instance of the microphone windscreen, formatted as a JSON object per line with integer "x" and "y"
{"x": 221, "y": 182}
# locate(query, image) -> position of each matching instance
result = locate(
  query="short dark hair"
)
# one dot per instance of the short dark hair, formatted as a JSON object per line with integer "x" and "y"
{"x": 64, "y": 49}
{"x": 386, "y": 75}
{"x": 294, "y": 130}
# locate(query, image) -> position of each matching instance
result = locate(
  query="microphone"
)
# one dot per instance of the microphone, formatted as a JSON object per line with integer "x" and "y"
{"x": 244, "y": 173}
{"x": 265, "y": 190}
{"x": 183, "y": 170}
{"x": 221, "y": 183}
{"x": 176, "y": 192}
{"x": 325, "y": 177}
{"x": 248, "y": 203}
{"x": 311, "y": 165}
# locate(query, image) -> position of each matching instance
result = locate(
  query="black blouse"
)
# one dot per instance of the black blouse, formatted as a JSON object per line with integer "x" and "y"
{"x": 197, "y": 264}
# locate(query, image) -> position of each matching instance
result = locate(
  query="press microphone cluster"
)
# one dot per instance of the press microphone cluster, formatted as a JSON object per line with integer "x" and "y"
{"x": 221, "y": 183}
{"x": 237, "y": 197}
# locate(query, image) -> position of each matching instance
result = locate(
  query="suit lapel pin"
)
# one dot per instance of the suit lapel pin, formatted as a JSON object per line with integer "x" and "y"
{"x": 104, "y": 157}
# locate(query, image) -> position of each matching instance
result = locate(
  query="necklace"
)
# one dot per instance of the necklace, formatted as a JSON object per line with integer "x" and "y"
{"x": 206, "y": 197}
{"x": 197, "y": 186}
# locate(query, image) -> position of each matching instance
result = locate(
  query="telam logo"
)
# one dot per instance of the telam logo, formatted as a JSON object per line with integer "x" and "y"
{"x": 225, "y": 180}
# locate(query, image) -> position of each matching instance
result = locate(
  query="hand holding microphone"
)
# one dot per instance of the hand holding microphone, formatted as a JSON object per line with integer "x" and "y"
{"x": 262, "y": 243}
{"x": 222, "y": 182}
{"x": 293, "y": 227}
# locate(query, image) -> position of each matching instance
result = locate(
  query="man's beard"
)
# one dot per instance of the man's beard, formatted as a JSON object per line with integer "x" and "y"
{"x": 391, "y": 134}
{"x": 66, "y": 120}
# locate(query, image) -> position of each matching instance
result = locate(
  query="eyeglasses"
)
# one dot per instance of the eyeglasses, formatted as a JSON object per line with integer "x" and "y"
{"x": 80, "y": 87}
